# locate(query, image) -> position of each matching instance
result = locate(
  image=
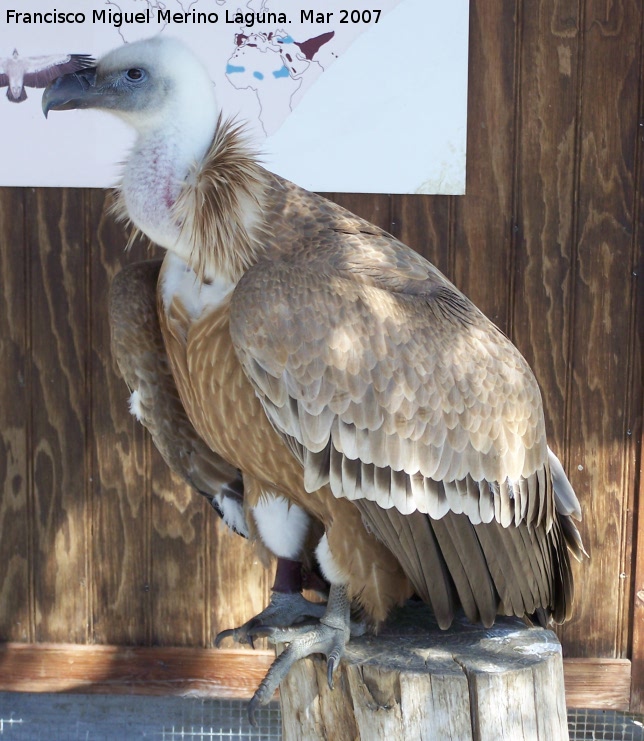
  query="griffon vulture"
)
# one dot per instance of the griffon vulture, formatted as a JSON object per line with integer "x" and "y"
{"x": 346, "y": 378}
{"x": 18, "y": 72}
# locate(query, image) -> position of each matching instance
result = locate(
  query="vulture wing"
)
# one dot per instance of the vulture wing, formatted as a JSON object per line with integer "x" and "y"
{"x": 5, "y": 63}
{"x": 41, "y": 70}
{"x": 137, "y": 346}
{"x": 403, "y": 390}
{"x": 391, "y": 387}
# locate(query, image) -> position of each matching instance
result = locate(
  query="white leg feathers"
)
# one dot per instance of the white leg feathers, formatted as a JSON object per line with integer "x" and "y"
{"x": 282, "y": 526}
{"x": 330, "y": 568}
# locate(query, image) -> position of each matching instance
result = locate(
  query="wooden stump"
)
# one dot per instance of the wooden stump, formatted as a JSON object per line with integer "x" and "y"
{"x": 415, "y": 681}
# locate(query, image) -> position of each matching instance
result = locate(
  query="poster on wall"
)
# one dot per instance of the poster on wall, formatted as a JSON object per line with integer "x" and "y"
{"x": 340, "y": 95}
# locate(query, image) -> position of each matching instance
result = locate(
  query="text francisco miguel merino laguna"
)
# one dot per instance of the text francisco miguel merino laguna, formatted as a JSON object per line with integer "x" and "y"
{"x": 160, "y": 15}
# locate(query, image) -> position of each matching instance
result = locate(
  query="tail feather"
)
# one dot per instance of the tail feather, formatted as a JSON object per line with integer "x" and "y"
{"x": 486, "y": 568}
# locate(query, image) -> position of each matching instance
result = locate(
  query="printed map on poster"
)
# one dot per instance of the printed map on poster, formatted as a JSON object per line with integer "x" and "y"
{"x": 340, "y": 95}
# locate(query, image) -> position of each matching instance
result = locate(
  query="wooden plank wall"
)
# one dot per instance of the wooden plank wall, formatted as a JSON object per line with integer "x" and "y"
{"x": 100, "y": 544}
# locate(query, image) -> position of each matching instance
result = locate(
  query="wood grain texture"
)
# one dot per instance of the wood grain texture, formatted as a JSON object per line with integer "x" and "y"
{"x": 56, "y": 248}
{"x": 602, "y": 404}
{"x": 545, "y": 245}
{"x": 636, "y": 432}
{"x": 59, "y": 667}
{"x": 178, "y": 554}
{"x": 484, "y": 218}
{"x": 544, "y": 250}
{"x": 637, "y": 683}
{"x": 599, "y": 683}
{"x": 120, "y": 670}
{"x": 239, "y": 584}
{"x": 120, "y": 487}
{"x": 15, "y": 594}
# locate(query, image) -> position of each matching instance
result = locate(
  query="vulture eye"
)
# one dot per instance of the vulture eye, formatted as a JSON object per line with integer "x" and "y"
{"x": 135, "y": 74}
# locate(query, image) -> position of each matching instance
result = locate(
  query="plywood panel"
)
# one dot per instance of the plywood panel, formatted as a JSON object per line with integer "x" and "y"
{"x": 598, "y": 683}
{"x": 637, "y": 698}
{"x": 427, "y": 224}
{"x": 15, "y": 618}
{"x": 61, "y": 520}
{"x": 637, "y": 685}
{"x": 120, "y": 488}
{"x": 602, "y": 405}
{"x": 545, "y": 244}
{"x": 178, "y": 553}
{"x": 484, "y": 219}
{"x": 546, "y": 189}
{"x": 239, "y": 582}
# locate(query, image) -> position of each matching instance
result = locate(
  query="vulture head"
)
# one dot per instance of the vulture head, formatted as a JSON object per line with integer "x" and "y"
{"x": 154, "y": 85}
{"x": 160, "y": 88}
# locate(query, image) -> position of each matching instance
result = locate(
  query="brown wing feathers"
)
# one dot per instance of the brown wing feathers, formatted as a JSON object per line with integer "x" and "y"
{"x": 419, "y": 554}
{"x": 394, "y": 410}
{"x": 488, "y": 569}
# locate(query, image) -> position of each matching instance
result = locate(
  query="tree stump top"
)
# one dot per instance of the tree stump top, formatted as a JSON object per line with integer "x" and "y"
{"x": 416, "y": 681}
{"x": 412, "y": 641}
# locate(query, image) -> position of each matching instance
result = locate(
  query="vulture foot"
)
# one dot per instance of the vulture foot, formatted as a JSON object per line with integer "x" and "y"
{"x": 283, "y": 611}
{"x": 328, "y": 637}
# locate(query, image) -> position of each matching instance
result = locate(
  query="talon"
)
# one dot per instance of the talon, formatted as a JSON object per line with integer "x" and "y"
{"x": 252, "y": 709}
{"x": 222, "y": 635}
{"x": 329, "y": 672}
{"x": 239, "y": 635}
{"x": 328, "y": 636}
{"x": 283, "y": 611}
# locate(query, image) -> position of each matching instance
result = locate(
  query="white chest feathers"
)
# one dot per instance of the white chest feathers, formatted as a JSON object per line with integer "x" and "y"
{"x": 180, "y": 281}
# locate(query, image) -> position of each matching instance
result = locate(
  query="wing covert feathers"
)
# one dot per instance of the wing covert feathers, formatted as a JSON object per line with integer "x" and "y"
{"x": 431, "y": 405}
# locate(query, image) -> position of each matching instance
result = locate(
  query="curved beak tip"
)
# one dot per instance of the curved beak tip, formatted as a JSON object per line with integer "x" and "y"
{"x": 69, "y": 91}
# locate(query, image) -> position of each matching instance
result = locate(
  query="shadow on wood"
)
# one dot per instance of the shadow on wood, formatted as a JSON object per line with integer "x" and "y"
{"x": 415, "y": 681}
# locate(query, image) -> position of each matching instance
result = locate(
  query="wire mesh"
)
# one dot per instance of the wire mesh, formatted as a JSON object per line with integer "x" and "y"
{"x": 223, "y": 720}
{"x": 604, "y": 725}
{"x": 44, "y": 717}
{"x": 53, "y": 717}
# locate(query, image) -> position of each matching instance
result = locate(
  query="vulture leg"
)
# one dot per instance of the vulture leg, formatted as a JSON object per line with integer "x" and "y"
{"x": 284, "y": 529}
{"x": 287, "y": 606}
{"x": 328, "y": 637}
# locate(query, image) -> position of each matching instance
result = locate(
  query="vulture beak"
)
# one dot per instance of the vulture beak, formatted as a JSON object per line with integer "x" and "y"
{"x": 74, "y": 90}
